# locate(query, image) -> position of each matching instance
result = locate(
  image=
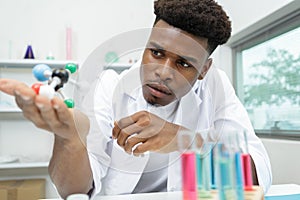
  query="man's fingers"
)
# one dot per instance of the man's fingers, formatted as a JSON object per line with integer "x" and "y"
{"x": 128, "y": 131}
{"x": 116, "y": 131}
{"x": 24, "y": 95}
{"x": 131, "y": 129}
{"x": 142, "y": 117}
{"x": 19, "y": 100}
{"x": 24, "y": 91}
{"x": 30, "y": 110}
{"x": 142, "y": 148}
{"x": 48, "y": 113}
{"x": 62, "y": 111}
{"x": 8, "y": 85}
{"x": 122, "y": 138}
{"x": 118, "y": 126}
{"x": 130, "y": 125}
{"x": 126, "y": 121}
{"x": 131, "y": 142}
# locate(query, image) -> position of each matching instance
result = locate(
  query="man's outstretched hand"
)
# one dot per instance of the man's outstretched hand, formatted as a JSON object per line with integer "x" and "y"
{"x": 51, "y": 115}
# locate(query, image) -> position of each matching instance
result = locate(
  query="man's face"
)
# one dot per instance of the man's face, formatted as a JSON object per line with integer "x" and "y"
{"x": 172, "y": 62}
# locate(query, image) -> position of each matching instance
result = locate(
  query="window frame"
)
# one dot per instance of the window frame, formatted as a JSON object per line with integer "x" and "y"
{"x": 279, "y": 22}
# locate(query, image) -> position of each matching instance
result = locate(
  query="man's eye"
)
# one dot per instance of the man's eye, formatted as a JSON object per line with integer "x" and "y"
{"x": 156, "y": 52}
{"x": 183, "y": 64}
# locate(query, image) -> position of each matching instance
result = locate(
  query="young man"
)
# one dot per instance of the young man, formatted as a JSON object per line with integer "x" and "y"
{"x": 175, "y": 88}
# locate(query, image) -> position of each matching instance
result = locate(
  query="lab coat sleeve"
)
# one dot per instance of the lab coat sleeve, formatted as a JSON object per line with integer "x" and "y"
{"x": 97, "y": 105}
{"x": 230, "y": 114}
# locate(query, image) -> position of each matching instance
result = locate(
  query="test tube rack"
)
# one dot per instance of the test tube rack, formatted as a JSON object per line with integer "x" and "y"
{"x": 256, "y": 193}
{"x": 202, "y": 186}
{"x": 219, "y": 170}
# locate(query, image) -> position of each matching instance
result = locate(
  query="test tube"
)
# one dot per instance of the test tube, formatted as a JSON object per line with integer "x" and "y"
{"x": 247, "y": 169}
{"x": 213, "y": 173}
{"x": 225, "y": 171}
{"x": 189, "y": 184}
{"x": 238, "y": 170}
{"x": 217, "y": 156}
{"x": 205, "y": 171}
{"x": 239, "y": 176}
{"x": 199, "y": 170}
{"x": 188, "y": 164}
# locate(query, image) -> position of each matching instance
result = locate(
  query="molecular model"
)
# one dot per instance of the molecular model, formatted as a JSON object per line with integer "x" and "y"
{"x": 56, "y": 79}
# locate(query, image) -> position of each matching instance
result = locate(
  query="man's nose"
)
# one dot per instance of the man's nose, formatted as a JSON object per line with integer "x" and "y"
{"x": 165, "y": 70}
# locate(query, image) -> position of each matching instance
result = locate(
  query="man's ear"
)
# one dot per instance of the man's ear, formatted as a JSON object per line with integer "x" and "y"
{"x": 205, "y": 68}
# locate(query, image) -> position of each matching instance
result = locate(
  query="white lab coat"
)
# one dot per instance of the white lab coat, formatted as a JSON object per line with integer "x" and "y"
{"x": 211, "y": 102}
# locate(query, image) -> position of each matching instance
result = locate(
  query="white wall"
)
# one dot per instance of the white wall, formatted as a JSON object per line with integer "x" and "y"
{"x": 43, "y": 24}
{"x": 284, "y": 156}
{"x": 242, "y": 14}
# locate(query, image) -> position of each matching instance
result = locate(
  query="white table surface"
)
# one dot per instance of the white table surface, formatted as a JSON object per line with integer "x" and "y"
{"x": 141, "y": 196}
{"x": 283, "y": 190}
{"x": 144, "y": 196}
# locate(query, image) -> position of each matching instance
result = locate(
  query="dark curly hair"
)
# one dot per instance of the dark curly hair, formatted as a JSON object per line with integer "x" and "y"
{"x": 203, "y": 18}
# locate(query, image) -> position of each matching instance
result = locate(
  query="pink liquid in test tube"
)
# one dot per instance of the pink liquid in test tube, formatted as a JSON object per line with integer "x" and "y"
{"x": 247, "y": 171}
{"x": 189, "y": 182}
{"x": 69, "y": 43}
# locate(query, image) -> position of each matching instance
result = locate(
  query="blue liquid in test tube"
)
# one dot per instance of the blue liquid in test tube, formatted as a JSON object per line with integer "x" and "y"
{"x": 225, "y": 176}
{"x": 204, "y": 169}
{"x": 239, "y": 176}
{"x": 199, "y": 171}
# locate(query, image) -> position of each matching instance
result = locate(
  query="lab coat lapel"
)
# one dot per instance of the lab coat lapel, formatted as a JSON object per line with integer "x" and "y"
{"x": 125, "y": 169}
{"x": 188, "y": 111}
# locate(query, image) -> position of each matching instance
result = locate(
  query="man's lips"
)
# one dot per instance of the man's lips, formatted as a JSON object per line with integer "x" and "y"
{"x": 160, "y": 88}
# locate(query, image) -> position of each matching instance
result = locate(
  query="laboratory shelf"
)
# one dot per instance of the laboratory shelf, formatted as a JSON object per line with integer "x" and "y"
{"x": 10, "y": 109}
{"x": 29, "y": 63}
{"x": 11, "y": 115}
{"x": 20, "y": 165}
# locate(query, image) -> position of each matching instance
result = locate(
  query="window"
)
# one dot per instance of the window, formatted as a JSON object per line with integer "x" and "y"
{"x": 266, "y": 59}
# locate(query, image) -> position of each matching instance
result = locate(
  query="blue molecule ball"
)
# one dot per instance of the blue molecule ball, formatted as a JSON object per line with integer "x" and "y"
{"x": 41, "y": 72}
